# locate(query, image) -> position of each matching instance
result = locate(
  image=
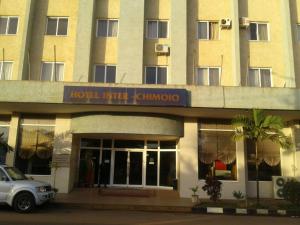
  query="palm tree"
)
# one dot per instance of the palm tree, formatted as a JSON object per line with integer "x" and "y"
{"x": 4, "y": 147}
{"x": 257, "y": 128}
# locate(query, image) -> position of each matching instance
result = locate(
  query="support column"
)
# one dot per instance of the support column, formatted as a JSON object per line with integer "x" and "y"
{"x": 84, "y": 40}
{"x": 236, "y": 57}
{"x": 61, "y": 160}
{"x": 188, "y": 158}
{"x": 131, "y": 41}
{"x": 12, "y": 138}
{"x": 178, "y": 48}
{"x": 288, "y": 57}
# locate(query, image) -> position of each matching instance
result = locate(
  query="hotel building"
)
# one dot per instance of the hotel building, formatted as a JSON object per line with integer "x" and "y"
{"x": 141, "y": 93}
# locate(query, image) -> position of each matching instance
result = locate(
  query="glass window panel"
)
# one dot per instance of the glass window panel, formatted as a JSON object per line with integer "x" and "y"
{"x": 202, "y": 30}
{"x": 152, "y": 144}
{"x": 162, "y": 29}
{"x": 4, "y": 137}
{"x": 59, "y": 71}
{"x": 202, "y": 76}
{"x": 161, "y": 75}
{"x": 167, "y": 171}
{"x": 110, "y": 74}
{"x": 113, "y": 28}
{"x": 214, "y": 78}
{"x": 107, "y": 143}
{"x": 150, "y": 75}
{"x": 263, "y": 32}
{"x": 51, "y": 26}
{"x": 265, "y": 76}
{"x": 6, "y": 71}
{"x": 62, "y": 26}
{"x": 167, "y": 144}
{"x": 13, "y": 25}
{"x": 213, "y": 30}
{"x": 152, "y": 29}
{"x": 87, "y": 142}
{"x": 102, "y": 28}
{"x": 253, "y": 78}
{"x": 47, "y": 71}
{"x": 3, "y": 25}
{"x": 129, "y": 144}
{"x": 100, "y": 74}
{"x": 151, "y": 168}
{"x": 253, "y": 31}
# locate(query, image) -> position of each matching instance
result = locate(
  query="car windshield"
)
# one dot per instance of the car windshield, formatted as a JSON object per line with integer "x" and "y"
{"x": 15, "y": 174}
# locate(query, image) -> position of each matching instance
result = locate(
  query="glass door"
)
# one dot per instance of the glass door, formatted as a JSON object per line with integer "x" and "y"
{"x": 151, "y": 168}
{"x": 105, "y": 164}
{"x": 120, "y": 167}
{"x": 135, "y": 168}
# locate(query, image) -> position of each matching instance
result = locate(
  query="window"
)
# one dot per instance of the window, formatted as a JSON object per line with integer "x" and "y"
{"x": 208, "y": 30}
{"x": 208, "y": 76}
{"x": 35, "y": 145}
{"x": 105, "y": 74}
{"x": 157, "y": 29}
{"x": 269, "y": 160}
{"x": 216, "y": 150}
{"x": 259, "y": 31}
{"x": 8, "y": 25}
{"x": 259, "y": 77}
{"x": 107, "y": 28}
{"x": 57, "y": 26}
{"x": 155, "y": 75}
{"x": 5, "y": 70}
{"x": 52, "y": 71}
{"x": 4, "y": 129}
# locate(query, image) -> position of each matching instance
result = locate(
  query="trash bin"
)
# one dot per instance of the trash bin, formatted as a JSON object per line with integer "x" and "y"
{"x": 175, "y": 184}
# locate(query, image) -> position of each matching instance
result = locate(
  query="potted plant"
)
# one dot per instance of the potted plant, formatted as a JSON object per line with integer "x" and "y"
{"x": 195, "y": 196}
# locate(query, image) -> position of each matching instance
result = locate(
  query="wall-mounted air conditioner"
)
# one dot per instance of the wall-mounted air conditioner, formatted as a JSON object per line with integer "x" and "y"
{"x": 278, "y": 183}
{"x": 162, "y": 49}
{"x": 225, "y": 23}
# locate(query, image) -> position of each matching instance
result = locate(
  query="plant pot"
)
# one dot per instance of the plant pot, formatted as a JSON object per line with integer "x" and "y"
{"x": 195, "y": 198}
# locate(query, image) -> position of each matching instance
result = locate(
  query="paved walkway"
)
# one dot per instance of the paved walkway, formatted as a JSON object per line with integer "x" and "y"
{"x": 158, "y": 200}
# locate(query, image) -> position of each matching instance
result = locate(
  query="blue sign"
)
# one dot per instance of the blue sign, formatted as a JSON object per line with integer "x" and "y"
{"x": 125, "y": 96}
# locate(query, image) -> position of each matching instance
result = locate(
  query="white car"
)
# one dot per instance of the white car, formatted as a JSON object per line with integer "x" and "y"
{"x": 20, "y": 192}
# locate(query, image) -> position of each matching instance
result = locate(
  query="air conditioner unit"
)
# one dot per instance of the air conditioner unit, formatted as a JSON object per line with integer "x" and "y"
{"x": 278, "y": 183}
{"x": 225, "y": 23}
{"x": 244, "y": 22}
{"x": 161, "y": 49}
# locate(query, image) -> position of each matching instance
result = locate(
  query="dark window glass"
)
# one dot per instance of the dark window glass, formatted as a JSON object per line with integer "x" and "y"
{"x": 167, "y": 144}
{"x": 102, "y": 28}
{"x": 3, "y": 25}
{"x": 253, "y": 31}
{"x": 129, "y": 144}
{"x": 4, "y": 137}
{"x": 152, "y": 144}
{"x": 62, "y": 26}
{"x": 86, "y": 142}
{"x": 110, "y": 74}
{"x": 13, "y": 25}
{"x": 51, "y": 26}
{"x": 161, "y": 75}
{"x": 167, "y": 172}
{"x": 162, "y": 29}
{"x": 107, "y": 143}
{"x": 100, "y": 74}
{"x": 150, "y": 75}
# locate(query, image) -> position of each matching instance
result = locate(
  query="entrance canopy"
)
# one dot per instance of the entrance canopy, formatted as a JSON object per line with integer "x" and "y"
{"x": 131, "y": 123}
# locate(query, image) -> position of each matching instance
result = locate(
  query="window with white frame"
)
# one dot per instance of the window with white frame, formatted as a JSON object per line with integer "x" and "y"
{"x": 157, "y": 29}
{"x": 208, "y": 30}
{"x": 52, "y": 71}
{"x": 209, "y": 76}
{"x": 259, "y": 31}
{"x": 105, "y": 74}
{"x": 155, "y": 75}
{"x": 57, "y": 26}
{"x": 5, "y": 70}
{"x": 107, "y": 28}
{"x": 8, "y": 25}
{"x": 259, "y": 77}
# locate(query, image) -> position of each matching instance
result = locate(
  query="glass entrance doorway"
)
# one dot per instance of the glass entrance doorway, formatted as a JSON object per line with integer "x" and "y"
{"x": 127, "y": 163}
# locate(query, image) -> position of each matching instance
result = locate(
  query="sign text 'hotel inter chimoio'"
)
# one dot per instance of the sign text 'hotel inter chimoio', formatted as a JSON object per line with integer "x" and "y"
{"x": 125, "y": 96}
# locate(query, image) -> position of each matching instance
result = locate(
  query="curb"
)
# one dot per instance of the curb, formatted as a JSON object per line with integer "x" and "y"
{"x": 244, "y": 211}
{"x": 145, "y": 208}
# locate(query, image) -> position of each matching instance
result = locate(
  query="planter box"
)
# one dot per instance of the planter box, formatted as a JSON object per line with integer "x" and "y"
{"x": 262, "y": 211}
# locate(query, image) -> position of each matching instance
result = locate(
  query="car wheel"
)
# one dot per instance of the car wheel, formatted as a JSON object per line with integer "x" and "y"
{"x": 24, "y": 202}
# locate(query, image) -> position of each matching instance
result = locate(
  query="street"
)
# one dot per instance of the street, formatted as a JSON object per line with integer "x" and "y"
{"x": 51, "y": 214}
